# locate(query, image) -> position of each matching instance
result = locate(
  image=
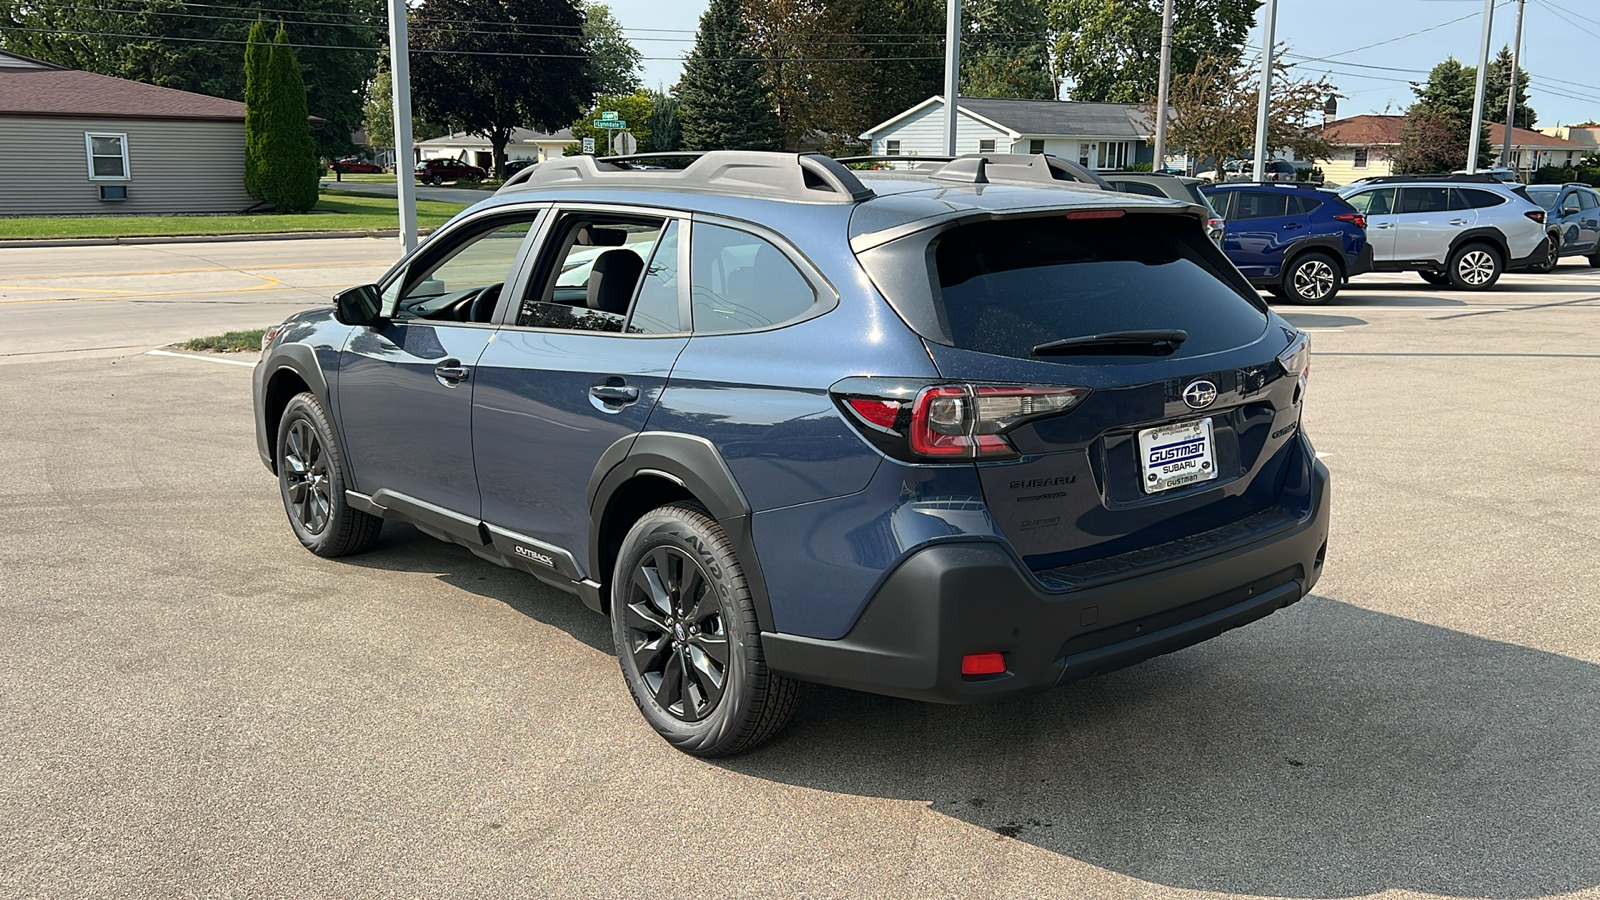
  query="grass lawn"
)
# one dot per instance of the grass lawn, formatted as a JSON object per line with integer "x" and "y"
{"x": 374, "y": 178}
{"x": 336, "y": 211}
{"x": 229, "y": 342}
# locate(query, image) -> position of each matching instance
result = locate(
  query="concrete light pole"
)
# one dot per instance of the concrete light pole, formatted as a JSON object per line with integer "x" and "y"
{"x": 1477, "y": 93}
{"x": 952, "y": 73}
{"x": 1161, "y": 90}
{"x": 1269, "y": 32}
{"x": 400, "y": 80}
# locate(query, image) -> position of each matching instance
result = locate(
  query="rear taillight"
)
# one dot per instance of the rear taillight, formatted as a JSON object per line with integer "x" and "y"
{"x": 1296, "y": 363}
{"x": 948, "y": 421}
{"x": 1535, "y": 214}
{"x": 1356, "y": 219}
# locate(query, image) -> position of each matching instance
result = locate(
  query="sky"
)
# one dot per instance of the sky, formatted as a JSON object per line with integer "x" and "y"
{"x": 1560, "y": 46}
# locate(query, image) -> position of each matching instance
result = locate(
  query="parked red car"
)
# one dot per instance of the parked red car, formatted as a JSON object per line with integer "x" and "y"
{"x": 438, "y": 171}
{"x": 353, "y": 166}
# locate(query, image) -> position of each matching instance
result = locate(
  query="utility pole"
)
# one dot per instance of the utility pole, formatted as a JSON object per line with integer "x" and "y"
{"x": 1477, "y": 93}
{"x": 400, "y": 80}
{"x": 1161, "y": 91}
{"x": 952, "y": 73}
{"x": 1511, "y": 93}
{"x": 1269, "y": 33}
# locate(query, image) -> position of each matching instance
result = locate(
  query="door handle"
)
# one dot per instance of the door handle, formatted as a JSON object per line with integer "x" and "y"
{"x": 1292, "y": 226}
{"x": 614, "y": 393}
{"x": 450, "y": 372}
{"x": 1458, "y": 221}
{"x": 1385, "y": 225}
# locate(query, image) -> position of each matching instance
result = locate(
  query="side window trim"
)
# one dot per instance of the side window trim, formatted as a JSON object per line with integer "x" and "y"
{"x": 511, "y": 303}
{"x": 827, "y": 296}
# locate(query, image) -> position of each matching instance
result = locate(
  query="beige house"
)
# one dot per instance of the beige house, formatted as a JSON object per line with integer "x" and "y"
{"x": 77, "y": 143}
{"x": 1365, "y": 143}
{"x": 476, "y": 149}
{"x": 1588, "y": 136}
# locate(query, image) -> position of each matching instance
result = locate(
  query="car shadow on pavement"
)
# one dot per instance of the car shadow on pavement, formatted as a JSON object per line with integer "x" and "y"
{"x": 1317, "y": 320}
{"x": 403, "y": 548}
{"x": 1327, "y": 751}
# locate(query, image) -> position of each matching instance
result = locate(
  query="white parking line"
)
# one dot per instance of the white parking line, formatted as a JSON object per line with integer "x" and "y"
{"x": 215, "y": 359}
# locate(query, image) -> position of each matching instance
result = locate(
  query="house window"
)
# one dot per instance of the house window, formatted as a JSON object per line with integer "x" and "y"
{"x": 892, "y": 148}
{"x": 1085, "y": 154}
{"x": 986, "y": 146}
{"x": 108, "y": 156}
{"x": 1114, "y": 154}
{"x": 1036, "y": 146}
{"x": 1361, "y": 158}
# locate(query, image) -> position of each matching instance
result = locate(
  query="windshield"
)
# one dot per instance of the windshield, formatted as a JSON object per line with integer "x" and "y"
{"x": 1004, "y": 287}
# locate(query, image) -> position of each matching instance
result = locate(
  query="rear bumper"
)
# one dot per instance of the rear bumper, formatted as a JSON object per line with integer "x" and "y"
{"x": 953, "y": 599}
{"x": 1536, "y": 257}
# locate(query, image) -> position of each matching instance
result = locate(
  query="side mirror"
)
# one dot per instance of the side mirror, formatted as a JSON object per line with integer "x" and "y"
{"x": 358, "y": 305}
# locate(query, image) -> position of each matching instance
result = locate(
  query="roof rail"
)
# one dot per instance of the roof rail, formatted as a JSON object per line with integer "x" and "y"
{"x": 983, "y": 168}
{"x": 806, "y": 177}
{"x": 1478, "y": 178}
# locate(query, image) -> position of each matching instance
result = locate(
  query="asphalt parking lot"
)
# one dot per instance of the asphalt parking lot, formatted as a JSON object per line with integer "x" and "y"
{"x": 191, "y": 705}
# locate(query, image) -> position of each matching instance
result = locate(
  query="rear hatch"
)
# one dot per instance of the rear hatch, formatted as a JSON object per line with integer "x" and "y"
{"x": 1187, "y": 388}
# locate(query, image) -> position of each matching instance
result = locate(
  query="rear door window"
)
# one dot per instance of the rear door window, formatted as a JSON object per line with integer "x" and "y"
{"x": 1424, "y": 200}
{"x": 1259, "y": 205}
{"x": 1004, "y": 287}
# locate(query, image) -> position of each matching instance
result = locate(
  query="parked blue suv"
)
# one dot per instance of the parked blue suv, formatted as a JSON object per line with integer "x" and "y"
{"x": 1296, "y": 242}
{"x": 957, "y": 433}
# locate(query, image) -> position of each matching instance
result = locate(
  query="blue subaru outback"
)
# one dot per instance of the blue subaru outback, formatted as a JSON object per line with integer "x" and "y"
{"x": 1295, "y": 241}
{"x": 954, "y": 433}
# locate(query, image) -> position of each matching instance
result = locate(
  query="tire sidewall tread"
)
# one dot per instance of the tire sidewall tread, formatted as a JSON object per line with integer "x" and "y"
{"x": 349, "y": 530}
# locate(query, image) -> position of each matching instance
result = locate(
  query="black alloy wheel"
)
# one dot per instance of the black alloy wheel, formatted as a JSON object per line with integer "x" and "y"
{"x": 1313, "y": 279}
{"x": 687, "y": 638}
{"x": 312, "y": 480}
{"x": 677, "y": 634}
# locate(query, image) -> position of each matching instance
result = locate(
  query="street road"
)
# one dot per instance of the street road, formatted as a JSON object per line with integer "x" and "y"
{"x": 191, "y": 705}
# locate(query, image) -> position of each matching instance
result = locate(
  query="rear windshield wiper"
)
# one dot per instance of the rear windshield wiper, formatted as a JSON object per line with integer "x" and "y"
{"x": 1154, "y": 342}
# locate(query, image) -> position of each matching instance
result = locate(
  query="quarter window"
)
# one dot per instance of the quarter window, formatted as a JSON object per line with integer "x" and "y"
{"x": 1472, "y": 198}
{"x": 108, "y": 156}
{"x": 1424, "y": 200}
{"x": 741, "y": 282}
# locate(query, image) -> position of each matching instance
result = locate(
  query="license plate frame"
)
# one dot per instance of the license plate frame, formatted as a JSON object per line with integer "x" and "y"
{"x": 1176, "y": 455}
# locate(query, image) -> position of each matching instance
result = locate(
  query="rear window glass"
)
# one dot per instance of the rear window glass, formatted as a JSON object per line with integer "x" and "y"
{"x": 1005, "y": 287}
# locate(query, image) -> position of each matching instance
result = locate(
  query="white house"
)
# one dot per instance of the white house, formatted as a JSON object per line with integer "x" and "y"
{"x": 475, "y": 149}
{"x": 1094, "y": 135}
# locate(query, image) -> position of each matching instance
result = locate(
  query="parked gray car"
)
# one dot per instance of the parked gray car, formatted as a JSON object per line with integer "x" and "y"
{"x": 1175, "y": 187}
{"x": 1463, "y": 231}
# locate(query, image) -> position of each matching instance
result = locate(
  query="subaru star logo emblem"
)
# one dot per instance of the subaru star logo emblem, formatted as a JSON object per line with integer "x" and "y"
{"x": 1200, "y": 394}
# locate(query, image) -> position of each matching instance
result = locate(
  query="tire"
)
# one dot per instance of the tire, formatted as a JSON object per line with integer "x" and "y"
{"x": 1594, "y": 261}
{"x": 667, "y": 644}
{"x": 436, "y": 180}
{"x": 1435, "y": 278}
{"x": 1312, "y": 279}
{"x": 1475, "y": 267}
{"x": 312, "y": 478}
{"x": 1552, "y": 258}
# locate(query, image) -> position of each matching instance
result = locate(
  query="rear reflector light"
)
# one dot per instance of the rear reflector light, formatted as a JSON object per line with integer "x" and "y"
{"x": 914, "y": 421}
{"x": 1355, "y": 219}
{"x": 983, "y": 664}
{"x": 1535, "y": 214}
{"x": 1096, "y": 214}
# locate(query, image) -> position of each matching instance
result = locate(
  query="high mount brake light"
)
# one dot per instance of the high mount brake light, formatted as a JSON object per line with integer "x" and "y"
{"x": 1097, "y": 214}
{"x": 1356, "y": 219}
{"x": 949, "y": 421}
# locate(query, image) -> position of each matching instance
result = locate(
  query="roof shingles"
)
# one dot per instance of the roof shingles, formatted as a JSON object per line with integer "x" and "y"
{"x": 30, "y": 91}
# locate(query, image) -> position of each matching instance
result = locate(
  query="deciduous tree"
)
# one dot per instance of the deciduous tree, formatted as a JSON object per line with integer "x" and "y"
{"x": 1214, "y": 110}
{"x": 1005, "y": 50}
{"x": 1111, "y": 49}
{"x": 1432, "y": 139}
{"x": 614, "y": 63}
{"x": 488, "y": 66}
{"x": 634, "y": 108}
{"x": 1448, "y": 94}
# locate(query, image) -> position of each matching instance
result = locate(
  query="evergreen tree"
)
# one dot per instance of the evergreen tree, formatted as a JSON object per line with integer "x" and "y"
{"x": 257, "y": 56}
{"x": 289, "y": 172}
{"x": 1497, "y": 82}
{"x": 723, "y": 104}
{"x": 1447, "y": 97}
{"x": 666, "y": 132}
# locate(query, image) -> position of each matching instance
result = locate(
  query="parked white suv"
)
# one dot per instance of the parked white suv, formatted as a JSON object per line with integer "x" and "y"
{"x": 1456, "y": 230}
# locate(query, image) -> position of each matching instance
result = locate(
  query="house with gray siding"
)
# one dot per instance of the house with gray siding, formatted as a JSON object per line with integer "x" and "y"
{"x": 77, "y": 143}
{"x": 1103, "y": 136}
